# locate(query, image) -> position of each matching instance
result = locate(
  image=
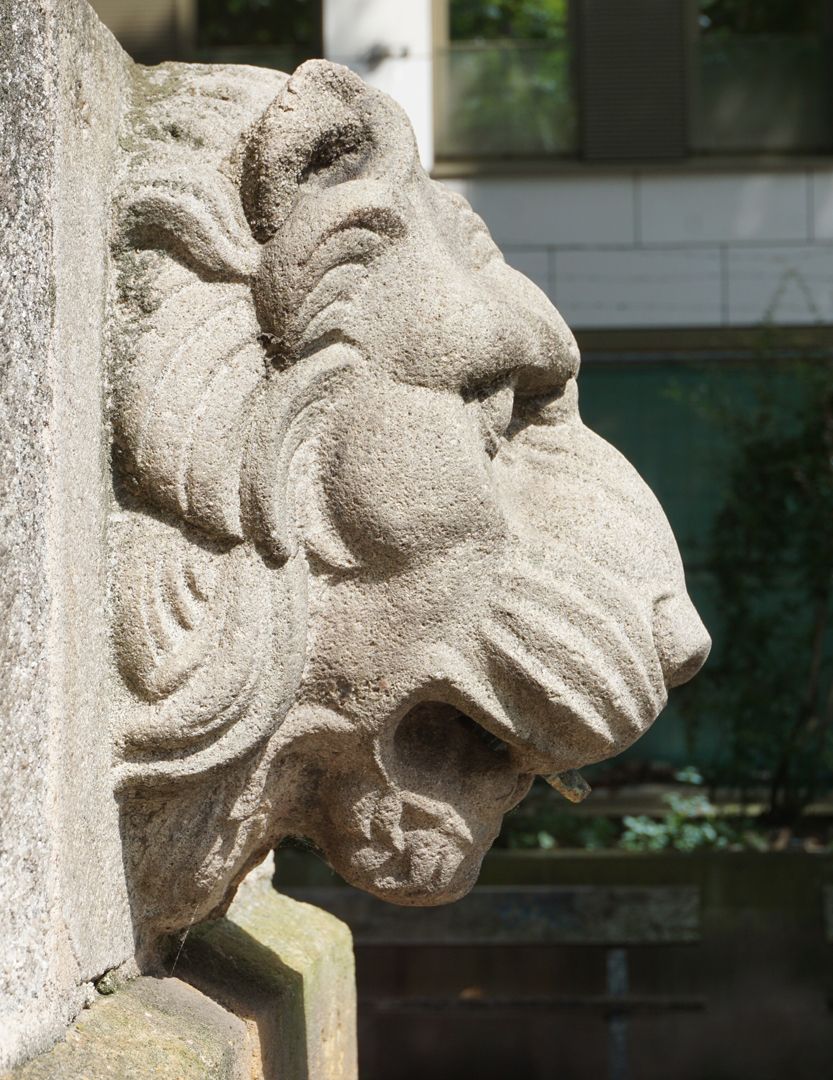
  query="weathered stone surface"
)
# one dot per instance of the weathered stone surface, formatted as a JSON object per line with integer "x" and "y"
{"x": 160, "y": 1028}
{"x": 373, "y": 573}
{"x": 63, "y": 909}
{"x": 288, "y": 968}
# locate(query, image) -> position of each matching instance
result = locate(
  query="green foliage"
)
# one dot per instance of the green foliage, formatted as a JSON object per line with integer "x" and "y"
{"x": 561, "y": 829}
{"x": 769, "y": 686}
{"x": 543, "y": 821}
{"x": 691, "y": 823}
{"x": 528, "y": 20}
{"x": 295, "y": 24}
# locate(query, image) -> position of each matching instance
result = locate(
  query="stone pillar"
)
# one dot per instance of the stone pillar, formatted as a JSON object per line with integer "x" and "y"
{"x": 389, "y": 45}
{"x": 63, "y": 907}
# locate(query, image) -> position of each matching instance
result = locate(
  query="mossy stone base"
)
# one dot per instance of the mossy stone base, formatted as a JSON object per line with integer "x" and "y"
{"x": 268, "y": 992}
{"x": 159, "y": 1028}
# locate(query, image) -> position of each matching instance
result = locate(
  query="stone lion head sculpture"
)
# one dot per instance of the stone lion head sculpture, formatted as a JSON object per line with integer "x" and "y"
{"x": 371, "y": 572}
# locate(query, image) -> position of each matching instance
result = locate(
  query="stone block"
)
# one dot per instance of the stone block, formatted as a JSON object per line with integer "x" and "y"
{"x": 288, "y": 968}
{"x": 160, "y": 1028}
{"x": 267, "y": 993}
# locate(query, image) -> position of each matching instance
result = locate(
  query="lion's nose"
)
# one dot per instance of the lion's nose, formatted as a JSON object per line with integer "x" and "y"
{"x": 681, "y": 640}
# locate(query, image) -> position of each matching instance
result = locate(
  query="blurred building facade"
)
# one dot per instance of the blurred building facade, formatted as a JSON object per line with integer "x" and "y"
{"x": 153, "y": 30}
{"x": 660, "y": 163}
{"x": 681, "y": 180}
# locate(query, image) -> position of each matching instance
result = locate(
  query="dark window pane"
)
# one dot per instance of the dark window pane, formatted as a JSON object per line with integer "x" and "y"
{"x": 722, "y": 17}
{"x": 275, "y": 33}
{"x": 762, "y": 77}
{"x": 632, "y": 79}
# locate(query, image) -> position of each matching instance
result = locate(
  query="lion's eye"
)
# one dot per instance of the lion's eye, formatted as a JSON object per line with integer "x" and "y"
{"x": 494, "y": 404}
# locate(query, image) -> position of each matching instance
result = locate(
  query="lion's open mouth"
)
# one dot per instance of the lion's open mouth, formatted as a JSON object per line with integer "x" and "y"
{"x": 430, "y": 727}
{"x": 446, "y": 756}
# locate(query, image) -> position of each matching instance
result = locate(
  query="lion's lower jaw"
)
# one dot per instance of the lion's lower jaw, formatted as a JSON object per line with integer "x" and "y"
{"x": 427, "y": 869}
{"x": 438, "y": 880}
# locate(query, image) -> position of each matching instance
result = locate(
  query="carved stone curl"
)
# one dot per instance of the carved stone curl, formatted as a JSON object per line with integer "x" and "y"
{"x": 371, "y": 572}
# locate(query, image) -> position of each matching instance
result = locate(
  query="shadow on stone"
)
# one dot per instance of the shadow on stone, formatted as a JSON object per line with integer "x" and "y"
{"x": 249, "y": 979}
{"x": 268, "y": 992}
{"x": 286, "y": 969}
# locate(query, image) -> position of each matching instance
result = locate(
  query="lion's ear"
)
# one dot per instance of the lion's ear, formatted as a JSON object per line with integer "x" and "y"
{"x": 326, "y": 126}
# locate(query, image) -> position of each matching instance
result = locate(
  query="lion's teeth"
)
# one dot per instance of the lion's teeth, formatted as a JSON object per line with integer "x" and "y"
{"x": 570, "y": 783}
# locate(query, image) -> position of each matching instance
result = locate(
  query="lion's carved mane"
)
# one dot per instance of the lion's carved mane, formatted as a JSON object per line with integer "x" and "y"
{"x": 208, "y": 418}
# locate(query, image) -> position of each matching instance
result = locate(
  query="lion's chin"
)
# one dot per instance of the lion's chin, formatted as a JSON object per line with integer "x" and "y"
{"x": 419, "y": 851}
{"x": 429, "y": 871}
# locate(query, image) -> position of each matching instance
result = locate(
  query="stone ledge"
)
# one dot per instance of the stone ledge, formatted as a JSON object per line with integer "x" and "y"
{"x": 288, "y": 968}
{"x": 267, "y": 992}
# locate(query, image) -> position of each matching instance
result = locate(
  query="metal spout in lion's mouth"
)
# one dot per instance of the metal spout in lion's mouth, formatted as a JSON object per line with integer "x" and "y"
{"x": 571, "y": 784}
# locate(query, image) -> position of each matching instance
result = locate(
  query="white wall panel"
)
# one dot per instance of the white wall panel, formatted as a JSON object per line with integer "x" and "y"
{"x": 555, "y": 210}
{"x": 822, "y": 196}
{"x": 718, "y": 209}
{"x": 532, "y": 263}
{"x": 786, "y": 285}
{"x": 639, "y": 288}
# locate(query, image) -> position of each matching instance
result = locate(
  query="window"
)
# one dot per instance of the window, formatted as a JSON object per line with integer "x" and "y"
{"x": 634, "y": 79}
{"x": 504, "y": 84}
{"x": 762, "y": 76}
